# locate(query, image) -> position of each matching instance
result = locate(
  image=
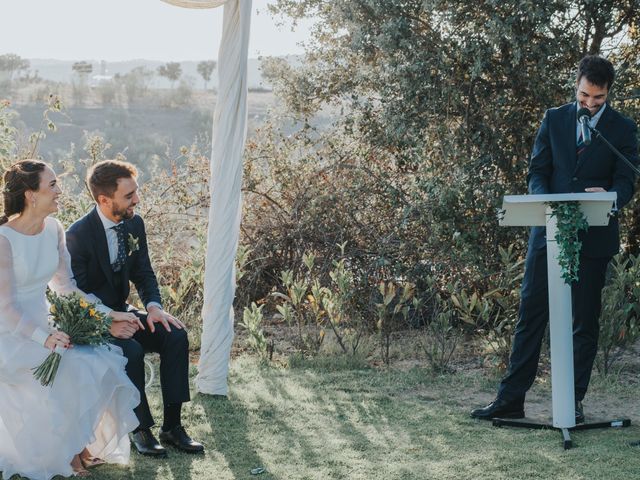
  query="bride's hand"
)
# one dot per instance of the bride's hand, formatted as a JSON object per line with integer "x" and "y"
{"x": 126, "y": 317}
{"x": 124, "y": 324}
{"x": 57, "y": 339}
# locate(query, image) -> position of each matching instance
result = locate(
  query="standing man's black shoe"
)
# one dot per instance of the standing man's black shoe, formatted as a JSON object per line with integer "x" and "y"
{"x": 146, "y": 444}
{"x": 499, "y": 409}
{"x": 634, "y": 444}
{"x": 579, "y": 412}
{"x": 178, "y": 438}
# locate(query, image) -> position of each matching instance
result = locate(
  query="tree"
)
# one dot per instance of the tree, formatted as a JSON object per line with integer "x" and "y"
{"x": 452, "y": 92}
{"x": 11, "y": 63}
{"x": 108, "y": 92}
{"x": 136, "y": 83}
{"x": 172, "y": 71}
{"x": 205, "y": 69}
{"x": 80, "y": 88}
{"x": 7, "y": 135}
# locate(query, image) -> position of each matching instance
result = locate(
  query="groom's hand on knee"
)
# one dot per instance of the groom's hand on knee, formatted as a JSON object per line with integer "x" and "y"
{"x": 157, "y": 315}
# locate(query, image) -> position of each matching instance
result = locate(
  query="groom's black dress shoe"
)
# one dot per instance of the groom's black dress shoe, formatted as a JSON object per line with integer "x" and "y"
{"x": 579, "y": 412}
{"x": 178, "y": 438}
{"x": 500, "y": 409}
{"x": 146, "y": 444}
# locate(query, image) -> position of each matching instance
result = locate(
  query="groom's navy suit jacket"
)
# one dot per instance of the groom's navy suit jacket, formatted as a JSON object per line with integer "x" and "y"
{"x": 87, "y": 245}
{"x": 554, "y": 168}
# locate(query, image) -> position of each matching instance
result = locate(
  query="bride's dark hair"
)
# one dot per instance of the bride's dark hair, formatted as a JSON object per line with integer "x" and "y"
{"x": 19, "y": 177}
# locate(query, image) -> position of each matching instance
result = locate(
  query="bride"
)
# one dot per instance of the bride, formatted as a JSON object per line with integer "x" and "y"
{"x": 86, "y": 414}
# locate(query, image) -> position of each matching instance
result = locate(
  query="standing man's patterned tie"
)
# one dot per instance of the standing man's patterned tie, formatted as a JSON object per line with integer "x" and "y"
{"x": 122, "y": 253}
{"x": 581, "y": 147}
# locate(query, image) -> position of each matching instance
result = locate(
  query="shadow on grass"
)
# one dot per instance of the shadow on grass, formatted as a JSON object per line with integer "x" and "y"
{"x": 230, "y": 431}
{"x": 310, "y": 414}
{"x": 321, "y": 423}
{"x": 139, "y": 467}
{"x": 366, "y": 416}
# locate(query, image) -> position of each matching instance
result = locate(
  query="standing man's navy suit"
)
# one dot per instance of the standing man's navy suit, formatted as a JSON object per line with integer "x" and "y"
{"x": 554, "y": 168}
{"x": 561, "y": 164}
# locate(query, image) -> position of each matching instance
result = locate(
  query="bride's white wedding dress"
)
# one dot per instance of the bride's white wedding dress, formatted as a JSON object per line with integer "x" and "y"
{"x": 90, "y": 403}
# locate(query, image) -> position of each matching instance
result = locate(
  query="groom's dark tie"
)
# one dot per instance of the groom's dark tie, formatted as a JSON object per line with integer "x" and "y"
{"x": 120, "y": 259}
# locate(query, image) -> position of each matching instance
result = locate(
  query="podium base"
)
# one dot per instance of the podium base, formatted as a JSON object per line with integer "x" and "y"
{"x": 566, "y": 432}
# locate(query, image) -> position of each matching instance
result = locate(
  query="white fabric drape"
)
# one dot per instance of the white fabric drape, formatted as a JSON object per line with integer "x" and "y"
{"x": 229, "y": 133}
{"x": 196, "y": 3}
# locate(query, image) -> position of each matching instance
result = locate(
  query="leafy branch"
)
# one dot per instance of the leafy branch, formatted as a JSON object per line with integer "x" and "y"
{"x": 571, "y": 221}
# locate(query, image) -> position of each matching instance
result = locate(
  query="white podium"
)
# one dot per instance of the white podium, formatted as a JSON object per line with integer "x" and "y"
{"x": 534, "y": 210}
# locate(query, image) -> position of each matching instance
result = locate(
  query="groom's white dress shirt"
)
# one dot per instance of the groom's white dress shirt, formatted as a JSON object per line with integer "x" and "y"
{"x": 112, "y": 244}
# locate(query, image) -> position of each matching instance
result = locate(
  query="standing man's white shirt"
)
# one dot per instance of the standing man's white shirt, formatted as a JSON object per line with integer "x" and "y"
{"x": 592, "y": 121}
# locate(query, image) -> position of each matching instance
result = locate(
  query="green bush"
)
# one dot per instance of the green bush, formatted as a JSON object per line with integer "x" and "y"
{"x": 252, "y": 319}
{"x": 314, "y": 308}
{"x": 441, "y": 336}
{"x": 493, "y": 313}
{"x": 7, "y": 134}
{"x": 620, "y": 311}
{"x": 393, "y": 311}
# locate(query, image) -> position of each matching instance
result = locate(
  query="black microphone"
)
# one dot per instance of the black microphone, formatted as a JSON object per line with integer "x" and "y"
{"x": 584, "y": 115}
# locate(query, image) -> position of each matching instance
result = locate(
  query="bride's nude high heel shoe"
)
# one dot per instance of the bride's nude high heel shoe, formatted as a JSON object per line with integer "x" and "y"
{"x": 78, "y": 468}
{"x": 89, "y": 461}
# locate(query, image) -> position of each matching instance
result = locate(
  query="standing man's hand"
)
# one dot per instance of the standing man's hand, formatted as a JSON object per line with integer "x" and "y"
{"x": 157, "y": 315}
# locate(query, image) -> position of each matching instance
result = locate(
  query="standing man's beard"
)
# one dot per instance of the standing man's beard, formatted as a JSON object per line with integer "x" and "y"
{"x": 122, "y": 214}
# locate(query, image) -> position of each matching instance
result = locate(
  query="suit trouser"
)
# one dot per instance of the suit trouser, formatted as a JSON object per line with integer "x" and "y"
{"x": 173, "y": 348}
{"x": 533, "y": 317}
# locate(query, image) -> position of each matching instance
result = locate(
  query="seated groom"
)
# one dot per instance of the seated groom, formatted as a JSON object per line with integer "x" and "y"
{"x": 108, "y": 249}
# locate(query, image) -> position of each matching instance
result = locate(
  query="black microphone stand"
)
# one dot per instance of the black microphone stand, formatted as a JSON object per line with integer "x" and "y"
{"x": 635, "y": 170}
{"x": 614, "y": 150}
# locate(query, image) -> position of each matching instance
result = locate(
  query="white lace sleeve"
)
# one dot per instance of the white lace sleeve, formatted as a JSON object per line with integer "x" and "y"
{"x": 12, "y": 318}
{"x": 63, "y": 282}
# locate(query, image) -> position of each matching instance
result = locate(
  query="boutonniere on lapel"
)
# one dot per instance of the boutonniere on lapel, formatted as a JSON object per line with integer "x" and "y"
{"x": 134, "y": 244}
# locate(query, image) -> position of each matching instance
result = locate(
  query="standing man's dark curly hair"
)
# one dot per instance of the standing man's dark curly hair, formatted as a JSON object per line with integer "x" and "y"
{"x": 597, "y": 70}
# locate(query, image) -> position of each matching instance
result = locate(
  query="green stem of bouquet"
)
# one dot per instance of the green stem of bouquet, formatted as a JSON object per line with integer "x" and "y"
{"x": 570, "y": 222}
{"x": 46, "y": 371}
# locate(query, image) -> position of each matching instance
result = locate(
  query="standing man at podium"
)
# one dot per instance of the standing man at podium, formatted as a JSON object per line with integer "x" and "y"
{"x": 561, "y": 163}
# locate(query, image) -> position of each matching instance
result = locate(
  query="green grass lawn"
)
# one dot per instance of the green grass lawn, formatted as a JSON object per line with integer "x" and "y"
{"x": 315, "y": 423}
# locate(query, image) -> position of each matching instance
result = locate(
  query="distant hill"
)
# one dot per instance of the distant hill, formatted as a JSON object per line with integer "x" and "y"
{"x": 60, "y": 70}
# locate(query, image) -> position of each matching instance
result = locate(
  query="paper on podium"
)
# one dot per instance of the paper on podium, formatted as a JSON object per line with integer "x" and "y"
{"x": 529, "y": 210}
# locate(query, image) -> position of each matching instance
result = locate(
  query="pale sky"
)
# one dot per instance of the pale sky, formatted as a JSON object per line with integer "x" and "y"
{"x": 116, "y": 30}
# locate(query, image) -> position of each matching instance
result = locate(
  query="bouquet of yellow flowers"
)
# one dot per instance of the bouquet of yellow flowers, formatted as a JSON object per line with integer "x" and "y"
{"x": 79, "y": 319}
